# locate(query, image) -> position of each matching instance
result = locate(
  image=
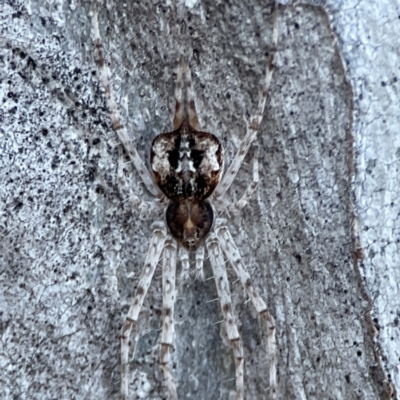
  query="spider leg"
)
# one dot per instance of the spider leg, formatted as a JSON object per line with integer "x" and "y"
{"x": 169, "y": 295}
{"x": 185, "y": 109}
{"x": 152, "y": 258}
{"x": 180, "y": 112}
{"x": 255, "y": 121}
{"x": 191, "y": 109}
{"x": 144, "y": 207}
{"x": 119, "y": 128}
{"x": 184, "y": 257}
{"x": 223, "y": 204}
{"x": 250, "y": 189}
{"x": 222, "y": 283}
{"x": 233, "y": 255}
{"x": 199, "y": 258}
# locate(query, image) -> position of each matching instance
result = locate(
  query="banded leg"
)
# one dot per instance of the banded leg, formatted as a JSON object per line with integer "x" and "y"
{"x": 223, "y": 204}
{"x": 233, "y": 255}
{"x": 180, "y": 112}
{"x": 255, "y": 121}
{"x": 185, "y": 271}
{"x": 152, "y": 258}
{"x": 222, "y": 283}
{"x": 144, "y": 207}
{"x": 169, "y": 295}
{"x": 199, "y": 258}
{"x": 250, "y": 189}
{"x": 191, "y": 108}
{"x": 119, "y": 128}
{"x": 185, "y": 109}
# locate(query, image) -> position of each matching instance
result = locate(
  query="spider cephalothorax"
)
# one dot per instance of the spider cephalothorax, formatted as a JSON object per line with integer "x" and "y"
{"x": 187, "y": 166}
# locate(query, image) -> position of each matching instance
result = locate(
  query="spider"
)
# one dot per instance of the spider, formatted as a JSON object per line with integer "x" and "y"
{"x": 189, "y": 185}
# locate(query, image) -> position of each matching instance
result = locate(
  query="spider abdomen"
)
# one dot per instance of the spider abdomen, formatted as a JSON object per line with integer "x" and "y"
{"x": 187, "y": 164}
{"x": 189, "y": 222}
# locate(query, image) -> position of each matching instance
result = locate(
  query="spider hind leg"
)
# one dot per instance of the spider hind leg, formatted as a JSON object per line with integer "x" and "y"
{"x": 232, "y": 253}
{"x": 255, "y": 120}
{"x": 222, "y": 283}
{"x": 152, "y": 258}
{"x": 169, "y": 296}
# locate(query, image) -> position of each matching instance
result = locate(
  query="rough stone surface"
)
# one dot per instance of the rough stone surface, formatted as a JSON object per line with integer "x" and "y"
{"x": 72, "y": 246}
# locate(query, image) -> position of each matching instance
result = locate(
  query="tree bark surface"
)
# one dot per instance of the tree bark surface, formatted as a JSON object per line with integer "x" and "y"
{"x": 320, "y": 235}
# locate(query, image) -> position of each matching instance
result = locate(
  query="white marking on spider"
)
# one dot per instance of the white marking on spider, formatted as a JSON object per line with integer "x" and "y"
{"x": 187, "y": 165}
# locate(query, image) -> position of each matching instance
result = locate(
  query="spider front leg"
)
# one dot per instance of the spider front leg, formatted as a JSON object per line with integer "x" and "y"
{"x": 152, "y": 258}
{"x": 119, "y": 128}
{"x": 255, "y": 120}
{"x": 233, "y": 255}
{"x": 222, "y": 283}
{"x": 185, "y": 109}
{"x": 250, "y": 189}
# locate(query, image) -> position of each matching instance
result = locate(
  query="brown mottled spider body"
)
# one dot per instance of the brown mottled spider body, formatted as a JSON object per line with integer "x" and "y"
{"x": 187, "y": 166}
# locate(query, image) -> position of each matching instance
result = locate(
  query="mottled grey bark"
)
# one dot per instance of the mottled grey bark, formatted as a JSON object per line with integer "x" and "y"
{"x": 72, "y": 246}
